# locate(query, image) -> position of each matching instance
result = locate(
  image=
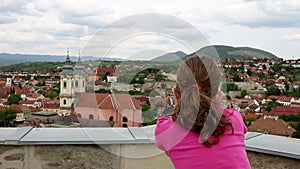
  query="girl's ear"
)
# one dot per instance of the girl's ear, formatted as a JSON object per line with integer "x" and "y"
{"x": 176, "y": 94}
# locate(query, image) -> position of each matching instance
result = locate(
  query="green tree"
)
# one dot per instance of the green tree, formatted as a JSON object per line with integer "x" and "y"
{"x": 249, "y": 72}
{"x": 160, "y": 78}
{"x": 145, "y": 107}
{"x": 228, "y": 97}
{"x": 287, "y": 86}
{"x": 269, "y": 108}
{"x": 244, "y": 92}
{"x": 149, "y": 115}
{"x": 229, "y": 87}
{"x": 297, "y": 133}
{"x": 14, "y": 99}
{"x": 103, "y": 91}
{"x": 261, "y": 76}
{"x": 273, "y": 90}
{"x": 7, "y": 116}
{"x": 276, "y": 67}
{"x": 52, "y": 95}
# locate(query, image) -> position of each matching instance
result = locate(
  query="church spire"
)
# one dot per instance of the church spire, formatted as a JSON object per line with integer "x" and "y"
{"x": 79, "y": 59}
{"x": 68, "y": 60}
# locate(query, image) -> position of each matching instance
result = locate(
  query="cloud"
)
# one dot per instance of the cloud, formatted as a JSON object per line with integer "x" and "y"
{"x": 10, "y": 6}
{"x": 293, "y": 37}
{"x": 38, "y": 25}
{"x": 271, "y": 13}
{"x": 7, "y": 19}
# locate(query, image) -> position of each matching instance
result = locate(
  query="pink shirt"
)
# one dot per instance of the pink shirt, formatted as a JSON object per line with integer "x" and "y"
{"x": 186, "y": 152}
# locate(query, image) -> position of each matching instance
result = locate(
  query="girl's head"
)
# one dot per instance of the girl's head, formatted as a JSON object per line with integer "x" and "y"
{"x": 198, "y": 96}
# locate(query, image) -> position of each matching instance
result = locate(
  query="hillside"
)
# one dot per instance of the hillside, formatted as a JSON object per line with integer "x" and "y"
{"x": 228, "y": 52}
{"x": 170, "y": 57}
{"x": 217, "y": 52}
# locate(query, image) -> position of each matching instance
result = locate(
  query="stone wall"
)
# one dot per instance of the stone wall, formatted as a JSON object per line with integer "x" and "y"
{"x": 125, "y": 156}
{"x": 265, "y": 161}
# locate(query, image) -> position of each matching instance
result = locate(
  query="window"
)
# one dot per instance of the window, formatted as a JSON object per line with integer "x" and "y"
{"x": 65, "y": 84}
{"x": 76, "y": 83}
{"x": 91, "y": 116}
{"x": 111, "y": 118}
{"x": 125, "y": 119}
{"x": 125, "y": 125}
{"x": 65, "y": 101}
{"x": 79, "y": 115}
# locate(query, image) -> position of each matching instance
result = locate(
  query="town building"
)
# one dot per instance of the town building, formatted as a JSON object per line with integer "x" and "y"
{"x": 121, "y": 109}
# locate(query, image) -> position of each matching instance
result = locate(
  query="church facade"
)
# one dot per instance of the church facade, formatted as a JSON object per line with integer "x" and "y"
{"x": 121, "y": 109}
{"x": 72, "y": 80}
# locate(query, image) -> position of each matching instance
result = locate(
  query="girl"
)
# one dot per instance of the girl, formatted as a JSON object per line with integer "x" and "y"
{"x": 202, "y": 134}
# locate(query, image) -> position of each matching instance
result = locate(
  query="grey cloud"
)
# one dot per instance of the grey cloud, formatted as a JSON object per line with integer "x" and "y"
{"x": 12, "y": 6}
{"x": 92, "y": 21}
{"x": 258, "y": 13}
{"x": 7, "y": 19}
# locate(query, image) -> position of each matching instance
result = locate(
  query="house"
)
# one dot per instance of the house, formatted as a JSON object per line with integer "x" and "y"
{"x": 120, "y": 108}
{"x": 282, "y": 110}
{"x": 273, "y": 126}
{"x": 3, "y": 97}
{"x": 30, "y": 103}
{"x": 50, "y": 107}
{"x": 34, "y": 96}
{"x": 110, "y": 73}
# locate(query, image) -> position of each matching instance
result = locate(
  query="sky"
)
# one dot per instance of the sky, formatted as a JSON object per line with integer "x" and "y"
{"x": 131, "y": 29}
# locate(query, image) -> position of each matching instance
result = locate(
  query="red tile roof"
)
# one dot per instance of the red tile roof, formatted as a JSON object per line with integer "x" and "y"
{"x": 251, "y": 115}
{"x": 107, "y": 101}
{"x": 50, "y": 106}
{"x": 27, "y": 102}
{"x": 33, "y": 95}
{"x": 100, "y": 100}
{"x": 110, "y": 71}
{"x": 123, "y": 101}
{"x": 272, "y": 126}
{"x": 3, "y": 95}
{"x": 283, "y": 110}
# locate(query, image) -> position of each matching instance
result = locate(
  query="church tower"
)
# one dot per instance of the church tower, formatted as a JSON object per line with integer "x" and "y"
{"x": 67, "y": 92}
{"x": 79, "y": 77}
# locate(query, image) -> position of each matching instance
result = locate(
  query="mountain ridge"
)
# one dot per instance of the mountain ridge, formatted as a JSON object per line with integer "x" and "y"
{"x": 9, "y": 59}
{"x": 218, "y": 52}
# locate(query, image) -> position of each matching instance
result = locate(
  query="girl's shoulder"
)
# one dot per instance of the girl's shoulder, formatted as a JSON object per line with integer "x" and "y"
{"x": 231, "y": 111}
{"x": 163, "y": 124}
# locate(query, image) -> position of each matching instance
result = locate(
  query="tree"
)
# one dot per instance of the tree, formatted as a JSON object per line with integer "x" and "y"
{"x": 14, "y": 99}
{"x": 249, "y": 72}
{"x": 228, "y": 97}
{"x": 244, "y": 92}
{"x": 276, "y": 67}
{"x": 261, "y": 76}
{"x": 297, "y": 133}
{"x": 52, "y": 95}
{"x": 229, "y": 87}
{"x": 269, "y": 108}
{"x": 149, "y": 115}
{"x": 7, "y": 116}
{"x": 273, "y": 90}
{"x": 145, "y": 107}
{"x": 287, "y": 86}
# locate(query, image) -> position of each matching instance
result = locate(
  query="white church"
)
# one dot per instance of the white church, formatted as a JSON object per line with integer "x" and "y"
{"x": 72, "y": 80}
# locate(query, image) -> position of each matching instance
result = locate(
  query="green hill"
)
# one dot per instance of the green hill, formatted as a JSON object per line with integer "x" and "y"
{"x": 228, "y": 52}
{"x": 170, "y": 57}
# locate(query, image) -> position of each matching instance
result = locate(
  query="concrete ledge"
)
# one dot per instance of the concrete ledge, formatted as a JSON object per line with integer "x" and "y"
{"x": 255, "y": 142}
